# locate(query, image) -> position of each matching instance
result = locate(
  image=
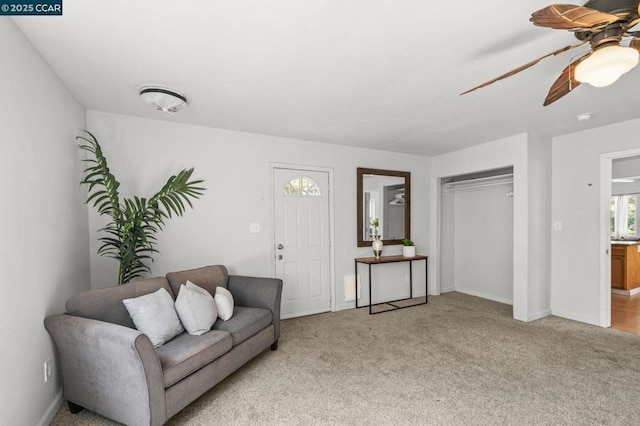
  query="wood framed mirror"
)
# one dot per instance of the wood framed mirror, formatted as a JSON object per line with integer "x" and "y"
{"x": 384, "y": 195}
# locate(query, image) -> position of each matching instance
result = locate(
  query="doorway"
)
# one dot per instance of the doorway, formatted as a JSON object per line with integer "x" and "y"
{"x": 625, "y": 244}
{"x": 301, "y": 199}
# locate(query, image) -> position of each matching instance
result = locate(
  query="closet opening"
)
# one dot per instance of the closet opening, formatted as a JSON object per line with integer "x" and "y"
{"x": 476, "y": 244}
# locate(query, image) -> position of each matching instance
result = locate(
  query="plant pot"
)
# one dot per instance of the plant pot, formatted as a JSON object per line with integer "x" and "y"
{"x": 408, "y": 251}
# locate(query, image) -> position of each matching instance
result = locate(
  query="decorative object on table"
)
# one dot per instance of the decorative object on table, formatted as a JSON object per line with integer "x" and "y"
{"x": 408, "y": 248}
{"x": 131, "y": 234}
{"x": 377, "y": 244}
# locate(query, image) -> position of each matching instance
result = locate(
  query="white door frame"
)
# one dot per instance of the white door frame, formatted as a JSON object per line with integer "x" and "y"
{"x": 272, "y": 250}
{"x": 606, "y": 173}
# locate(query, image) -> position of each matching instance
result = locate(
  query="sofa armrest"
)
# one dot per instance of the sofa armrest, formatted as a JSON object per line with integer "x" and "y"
{"x": 258, "y": 293}
{"x": 110, "y": 369}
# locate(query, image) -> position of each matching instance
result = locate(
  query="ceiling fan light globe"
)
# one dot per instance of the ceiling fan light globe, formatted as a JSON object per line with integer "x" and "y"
{"x": 606, "y": 65}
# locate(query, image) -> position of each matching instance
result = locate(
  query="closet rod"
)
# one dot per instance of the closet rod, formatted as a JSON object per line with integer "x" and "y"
{"x": 480, "y": 182}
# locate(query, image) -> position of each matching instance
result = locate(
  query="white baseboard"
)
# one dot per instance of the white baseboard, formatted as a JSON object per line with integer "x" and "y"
{"x": 626, "y": 292}
{"x": 574, "y": 317}
{"x": 486, "y": 296}
{"x": 539, "y": 315}
{"x": 447, "y": 290}
{"x": 50, "y": 413}
{"x": 302, "y": 314}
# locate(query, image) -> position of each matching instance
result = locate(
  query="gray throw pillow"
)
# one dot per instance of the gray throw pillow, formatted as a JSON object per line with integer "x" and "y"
{"x": 155, "y": 315}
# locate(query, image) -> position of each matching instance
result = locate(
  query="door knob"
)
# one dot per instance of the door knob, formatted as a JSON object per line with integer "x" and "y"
{"x": 280, "y": 246}
{"x": 279, "y": 257}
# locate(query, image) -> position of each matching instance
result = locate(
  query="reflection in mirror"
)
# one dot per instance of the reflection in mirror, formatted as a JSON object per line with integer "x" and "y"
{"x": 383, "y": 195}
{"x": 383, "y": 200}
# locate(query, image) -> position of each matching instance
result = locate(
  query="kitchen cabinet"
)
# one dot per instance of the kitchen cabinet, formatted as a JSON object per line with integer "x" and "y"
{"x": 625, "y": 266}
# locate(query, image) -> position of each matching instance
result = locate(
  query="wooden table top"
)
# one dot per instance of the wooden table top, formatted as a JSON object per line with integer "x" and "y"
{"x": 389, "y": 259}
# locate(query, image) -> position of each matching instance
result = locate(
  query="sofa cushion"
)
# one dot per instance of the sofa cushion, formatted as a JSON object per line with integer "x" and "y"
{"x": 208, "y": 277}
{"x": 186, "y": 354}
{"x": 245, "y": 323}
{"x": 105, "y": 304}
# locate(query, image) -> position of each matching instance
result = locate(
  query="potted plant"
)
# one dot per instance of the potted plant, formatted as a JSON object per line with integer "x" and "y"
{"x": 373, "y": 227}
{"x": 377, "y": 244}
{"x": 130, "y": 236}
{"x": 408, "y": 248}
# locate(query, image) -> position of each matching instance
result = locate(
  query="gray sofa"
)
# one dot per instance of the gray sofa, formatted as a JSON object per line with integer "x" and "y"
{"x": 113, "y": 369}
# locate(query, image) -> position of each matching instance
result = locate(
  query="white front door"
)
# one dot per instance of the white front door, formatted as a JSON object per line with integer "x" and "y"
{"x": 302, "y": 245}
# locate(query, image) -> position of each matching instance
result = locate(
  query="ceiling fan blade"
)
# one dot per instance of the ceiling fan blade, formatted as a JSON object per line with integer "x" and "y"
{"x": 524, "y": 67}
{"x": 565, "y": 83}
{"x": 570, "y": 17}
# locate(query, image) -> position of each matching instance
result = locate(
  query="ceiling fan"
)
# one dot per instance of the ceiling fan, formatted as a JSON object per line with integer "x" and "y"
{"x": 601, "y": 23}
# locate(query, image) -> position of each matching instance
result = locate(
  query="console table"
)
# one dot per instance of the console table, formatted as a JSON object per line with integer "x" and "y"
{"x": 392, "y": 259}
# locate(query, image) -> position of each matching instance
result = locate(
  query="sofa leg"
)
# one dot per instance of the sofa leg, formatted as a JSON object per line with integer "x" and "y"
{"x": 74, "y": 408}
{"x": 274, "y": 346}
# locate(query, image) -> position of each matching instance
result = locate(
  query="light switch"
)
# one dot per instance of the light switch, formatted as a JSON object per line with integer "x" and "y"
{"x": 254, "y": 228}
{"x": 557, "y": 225}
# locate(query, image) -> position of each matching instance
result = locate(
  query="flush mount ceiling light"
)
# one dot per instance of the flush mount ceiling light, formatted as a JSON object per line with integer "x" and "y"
{"x": 605, "y": 65}
{"x": 163, "y": 98}
{"x": 585, "y": 116}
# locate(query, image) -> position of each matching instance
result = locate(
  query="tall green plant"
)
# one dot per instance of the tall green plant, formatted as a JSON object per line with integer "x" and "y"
{"x": 131, "y": 234}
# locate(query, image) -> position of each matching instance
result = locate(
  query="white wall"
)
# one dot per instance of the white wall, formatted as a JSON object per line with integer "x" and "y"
{"x": 539, "y": 238}
{"x": 510, "y": 151}
{"x": 447, "y": 237}
{"x": 44, "y": 244}
{"x": 480, "y": 222}
{"x": 235, "y": 166}
{"x": 575, "y": 250}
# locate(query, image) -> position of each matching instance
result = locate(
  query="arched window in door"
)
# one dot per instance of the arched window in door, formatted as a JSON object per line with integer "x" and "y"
{"x": 302, "y": 186}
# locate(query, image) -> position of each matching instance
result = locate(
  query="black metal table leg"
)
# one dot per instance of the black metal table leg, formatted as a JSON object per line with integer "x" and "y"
{"x": 426, "y": 281}
{"x": 370, "y": 301}
{"x": 410, "y": 280}
{"x": 356, "y": 283}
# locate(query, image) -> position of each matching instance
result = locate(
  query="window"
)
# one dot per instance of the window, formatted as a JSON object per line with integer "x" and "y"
{"x": 302, "y": 186}
{"x": 623, "y": 216}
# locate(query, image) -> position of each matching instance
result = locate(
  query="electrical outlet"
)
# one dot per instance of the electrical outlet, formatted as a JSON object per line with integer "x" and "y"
{"x": 47, "y": 370}
{"x": 254, "y": 228}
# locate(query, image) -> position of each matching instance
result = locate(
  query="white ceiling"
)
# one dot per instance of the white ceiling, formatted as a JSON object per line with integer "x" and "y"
{"x": 381, "y": 74}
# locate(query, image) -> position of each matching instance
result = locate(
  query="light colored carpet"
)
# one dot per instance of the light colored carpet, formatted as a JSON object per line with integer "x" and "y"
{"x": 459, "y": 360}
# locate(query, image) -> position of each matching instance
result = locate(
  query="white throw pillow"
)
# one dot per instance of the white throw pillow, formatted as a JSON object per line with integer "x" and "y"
{"x": 224, "y": 303}
{"x": 155, "y": 315}
{"x": 196, "y": 308}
